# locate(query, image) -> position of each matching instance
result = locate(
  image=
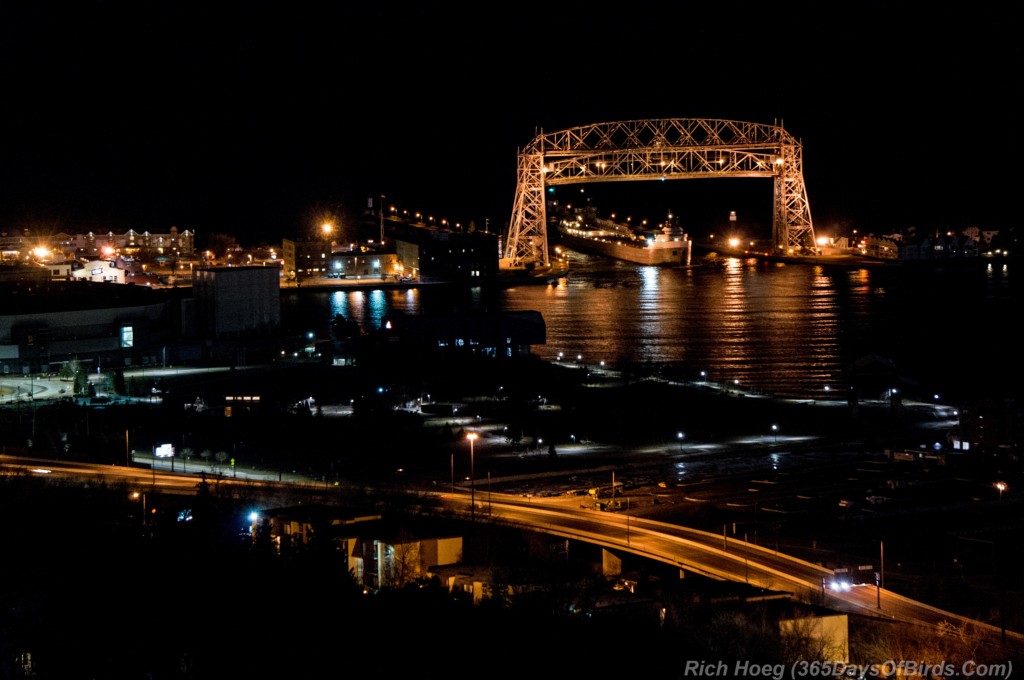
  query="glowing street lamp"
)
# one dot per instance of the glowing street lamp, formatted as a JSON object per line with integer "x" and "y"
{"x": 1001, "y": 486}
{"x": 775, "y": 432}
{"x": 472, "y": 476}
{"x": 679, "y": 436}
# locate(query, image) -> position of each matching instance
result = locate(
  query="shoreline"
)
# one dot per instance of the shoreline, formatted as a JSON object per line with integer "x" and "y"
{"x": 510, "y": 279}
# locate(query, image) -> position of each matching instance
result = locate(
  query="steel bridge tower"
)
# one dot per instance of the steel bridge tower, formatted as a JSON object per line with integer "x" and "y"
{"x": 675, "y": 148}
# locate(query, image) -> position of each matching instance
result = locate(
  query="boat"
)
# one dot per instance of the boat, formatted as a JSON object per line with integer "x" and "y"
{"x": 835, "y": 258}
{"x": 534, "y": 275}
{"x": 584, "y": 232}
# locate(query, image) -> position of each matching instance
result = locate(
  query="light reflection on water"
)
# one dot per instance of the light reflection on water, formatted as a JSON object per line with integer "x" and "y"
{"x": 765, "y": 328}
{"x": 789, "y": 330}
{"x": 368, "y": 307}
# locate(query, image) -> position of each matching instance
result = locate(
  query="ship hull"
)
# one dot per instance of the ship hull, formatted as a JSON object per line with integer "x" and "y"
{"x": 675, "y": 253}
{"x": 838, "y": 260}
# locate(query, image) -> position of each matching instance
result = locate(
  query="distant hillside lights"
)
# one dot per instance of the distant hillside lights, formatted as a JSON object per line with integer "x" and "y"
{"x": 62, "y": 245}
{"x": 156, "y": 267}
{"x": 110, "y": 257}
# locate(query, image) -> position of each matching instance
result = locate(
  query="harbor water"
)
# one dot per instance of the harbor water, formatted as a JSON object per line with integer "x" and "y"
{"x": 790, "y": 330}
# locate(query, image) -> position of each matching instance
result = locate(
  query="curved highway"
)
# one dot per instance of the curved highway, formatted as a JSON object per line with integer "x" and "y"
{"x": 716, "y": 556}
{"x": 700, "y": 552}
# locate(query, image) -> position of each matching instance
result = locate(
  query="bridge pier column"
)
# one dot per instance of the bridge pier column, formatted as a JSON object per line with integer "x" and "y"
{"x": 611, "y": 563}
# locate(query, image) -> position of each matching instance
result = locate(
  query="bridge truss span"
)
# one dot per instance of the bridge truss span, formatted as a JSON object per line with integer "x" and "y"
{"x": 675, "y": 148}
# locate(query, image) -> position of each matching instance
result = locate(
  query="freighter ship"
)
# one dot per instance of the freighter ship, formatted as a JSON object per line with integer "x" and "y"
{"x": 584, "y": 232}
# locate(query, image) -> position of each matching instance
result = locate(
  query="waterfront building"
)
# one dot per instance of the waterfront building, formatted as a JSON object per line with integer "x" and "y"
{"x": 321, "y": 259}
{"x": 62, "y": 270}
{"x": 305, "y": 259}
{"x": 433, "y": 254}
{"x": 356, "y": 264}
{"x": 21, "y": 271}
{"x": 939, "y": 247}
{"x": 879, "y": 247}
{"x": 991, "y": 427}
{"x": 236, "y": 301}
{"x": 44, "y": 324}
{"x": 98, "y": 271}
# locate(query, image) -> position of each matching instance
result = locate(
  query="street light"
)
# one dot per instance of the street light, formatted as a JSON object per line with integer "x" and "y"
{"x": 775, "y": 432}
{"x": 141, "y": 495}
{"x": 1001, "y": 486}
{"x": 472, "y": 476}
{"x": 679, "y": 436}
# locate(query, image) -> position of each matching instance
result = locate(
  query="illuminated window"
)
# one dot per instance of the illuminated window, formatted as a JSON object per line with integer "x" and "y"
{"x": 127, "y": 336}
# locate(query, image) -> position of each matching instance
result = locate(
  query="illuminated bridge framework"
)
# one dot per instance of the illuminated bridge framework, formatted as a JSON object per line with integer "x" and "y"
{"x": 676, "y": 148}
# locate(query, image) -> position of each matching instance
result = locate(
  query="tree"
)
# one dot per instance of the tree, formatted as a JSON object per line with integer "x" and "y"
{"x": 186, "y": 453}
{"x": 802, "y": 639}
{"x": 401, "y": 561}
{"x": 81, "y": 383}
{"x": 263, "y": 539}
{"x": 68, "y": 370}
{"x": 220, "y": 244}
{"x": 514, "y": 435}
{"x": 118, "y": 382}
{"x": 950, "y": 643}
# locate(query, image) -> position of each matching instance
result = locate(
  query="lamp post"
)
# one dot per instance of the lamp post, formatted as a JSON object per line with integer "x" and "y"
{"x": 1001, "y": 486}
{"x": 141, "y": 495}
{"x": 472, "y": 476}
{"x": 775, "y": 433}
{"x": 32, "y": 399}
{"x": 880, "y": 574}
{"x": 679, "y": 436}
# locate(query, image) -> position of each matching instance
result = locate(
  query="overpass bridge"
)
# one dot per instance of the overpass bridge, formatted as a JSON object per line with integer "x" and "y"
{"x": 661, "y": 149}
{"x": 691, "y": 550}
{"x": 722, "y": 558}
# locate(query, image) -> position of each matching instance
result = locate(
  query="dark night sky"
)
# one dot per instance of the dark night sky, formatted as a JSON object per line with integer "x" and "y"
{"x": 250, "y": 118}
